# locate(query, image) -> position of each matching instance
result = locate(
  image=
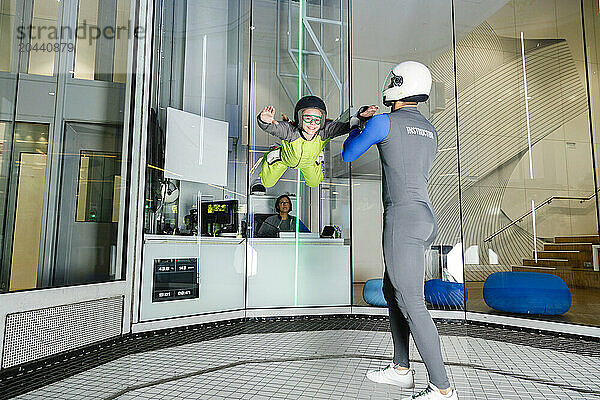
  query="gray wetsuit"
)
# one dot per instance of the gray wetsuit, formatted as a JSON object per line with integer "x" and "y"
{"x": 407, "y": 145}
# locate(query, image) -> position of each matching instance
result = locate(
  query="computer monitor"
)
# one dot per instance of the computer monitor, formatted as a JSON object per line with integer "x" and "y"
{"x": 258, "y": 220}
{"x": 219, "y": 217}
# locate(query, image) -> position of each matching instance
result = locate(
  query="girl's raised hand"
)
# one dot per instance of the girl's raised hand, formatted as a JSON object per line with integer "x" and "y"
{"x": 266, "y": 115}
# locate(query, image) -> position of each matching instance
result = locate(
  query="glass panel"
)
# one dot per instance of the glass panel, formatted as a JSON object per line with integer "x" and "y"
{"x": 196, "y": 175}
{"x": 87, "y": 235}
{"x": 85, "y": 51}
{"x": 98, "y": 187}
{"x": 5, "y": 145}
{"x": 43, "y": 37}
{"x": 61, "y": 224}
{"x": 121, "y": 41}
{"x": 26, "y": 198}
{"x": 527, "y": 170}
{"x": 101, "y": 47}
{"x": 7, "y": 20}
{"x": 590, "y": 296}
{"x": 480, "y": 53}
{"x": 300, "y": 255}
{"x": 374, "y": 55}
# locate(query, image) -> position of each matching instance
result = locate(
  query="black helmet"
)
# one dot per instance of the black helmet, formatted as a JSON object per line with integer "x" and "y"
{"x": 309, "y": 102}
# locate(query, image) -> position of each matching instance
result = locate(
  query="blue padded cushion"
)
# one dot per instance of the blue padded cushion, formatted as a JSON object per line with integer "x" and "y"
{"x": 373, "y": 293}
{"x": 442, "y": 293}
{"x": 527, "y": 293}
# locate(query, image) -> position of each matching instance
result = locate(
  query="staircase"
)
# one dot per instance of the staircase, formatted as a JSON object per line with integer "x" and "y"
{"x": 569, "y": 257}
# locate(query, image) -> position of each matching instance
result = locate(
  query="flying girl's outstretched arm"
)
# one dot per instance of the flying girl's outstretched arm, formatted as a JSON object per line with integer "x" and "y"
{"x": 359, "y": 142}
{"x": 282, "y": 129}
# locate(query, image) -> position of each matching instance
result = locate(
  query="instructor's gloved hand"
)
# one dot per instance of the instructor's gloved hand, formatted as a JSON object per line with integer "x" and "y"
{"x": 363, "y": 114}
{"x": 368, "y": 112}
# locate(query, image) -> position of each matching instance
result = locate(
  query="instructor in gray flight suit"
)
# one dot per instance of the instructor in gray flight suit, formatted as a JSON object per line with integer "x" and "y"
{"x": 407, "y": 144}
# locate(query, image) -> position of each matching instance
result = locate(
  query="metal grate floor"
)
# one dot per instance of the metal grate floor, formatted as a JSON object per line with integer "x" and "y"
{"x": 329, "y": 359}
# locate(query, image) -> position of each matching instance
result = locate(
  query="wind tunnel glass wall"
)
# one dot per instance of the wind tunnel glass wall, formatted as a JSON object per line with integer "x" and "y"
{"x": 196, "y": 201}
{"x": 523, "y": 211}
{"x": 527, "y": 173}
{"x": 298, "y": 256}
{"x": 374, "y": 53}
{"x": 64, "y": 154}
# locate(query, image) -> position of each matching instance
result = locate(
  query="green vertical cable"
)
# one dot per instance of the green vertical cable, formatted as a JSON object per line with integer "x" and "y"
{"x": 300, "y": 45}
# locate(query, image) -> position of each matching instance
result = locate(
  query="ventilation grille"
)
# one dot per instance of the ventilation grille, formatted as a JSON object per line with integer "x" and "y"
{"x": 36, "y": 334}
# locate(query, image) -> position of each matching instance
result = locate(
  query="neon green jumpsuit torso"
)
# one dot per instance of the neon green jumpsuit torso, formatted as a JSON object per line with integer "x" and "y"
{"x": 297, "y": 152}
{"x": 302, "y": 153}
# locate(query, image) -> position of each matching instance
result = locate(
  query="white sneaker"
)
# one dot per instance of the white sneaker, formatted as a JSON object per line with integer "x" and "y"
{"x": 433, "y": 393}
{"x": 391, "y": 376}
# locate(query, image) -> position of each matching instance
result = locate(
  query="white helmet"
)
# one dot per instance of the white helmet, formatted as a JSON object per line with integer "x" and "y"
{"x": 407, "y": 81}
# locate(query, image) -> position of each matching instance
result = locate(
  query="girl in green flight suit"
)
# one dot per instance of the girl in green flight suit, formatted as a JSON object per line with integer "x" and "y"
{"x": 302, "y": 140}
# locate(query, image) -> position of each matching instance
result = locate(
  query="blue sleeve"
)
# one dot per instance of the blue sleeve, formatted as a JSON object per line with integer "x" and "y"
{"x": 303, "y": 227}
{"x": 359, "y": 142}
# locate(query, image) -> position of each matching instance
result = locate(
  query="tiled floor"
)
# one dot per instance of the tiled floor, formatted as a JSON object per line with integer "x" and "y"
{"x": 331, "y": 364}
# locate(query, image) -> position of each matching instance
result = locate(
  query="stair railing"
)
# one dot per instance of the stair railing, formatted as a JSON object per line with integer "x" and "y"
{"x": 542, "y": 204}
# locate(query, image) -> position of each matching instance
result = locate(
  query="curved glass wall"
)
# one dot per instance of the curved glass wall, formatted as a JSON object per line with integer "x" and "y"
{"x": 513, "y": 184}
{"x": 528, "y": 198}
{"x": 514, "y": 101}
{"x": 591, "y": 43}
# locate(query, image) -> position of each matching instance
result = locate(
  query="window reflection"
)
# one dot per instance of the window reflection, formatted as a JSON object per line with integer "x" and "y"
{"x": 7, "y": 21}
{"x": 89, "y": 204}
{"x": 99, "y": 187}
{"x": 527, "y": 171}
{"x": 21, "y": 250}
{"x": 101, "y": 46}
{"x": 60, "y": 225}
{"x": 42, "y": 40}
{"x": 196, "y": 153}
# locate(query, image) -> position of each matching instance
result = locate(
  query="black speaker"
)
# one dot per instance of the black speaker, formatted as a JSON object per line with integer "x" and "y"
{"x": 328, "y": 231}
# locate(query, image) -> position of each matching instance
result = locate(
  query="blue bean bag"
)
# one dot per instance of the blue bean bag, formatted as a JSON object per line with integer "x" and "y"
{"x": 373, "y": 293}
{"x": 442, "y": 293}
{"x": 527, "y": 293}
